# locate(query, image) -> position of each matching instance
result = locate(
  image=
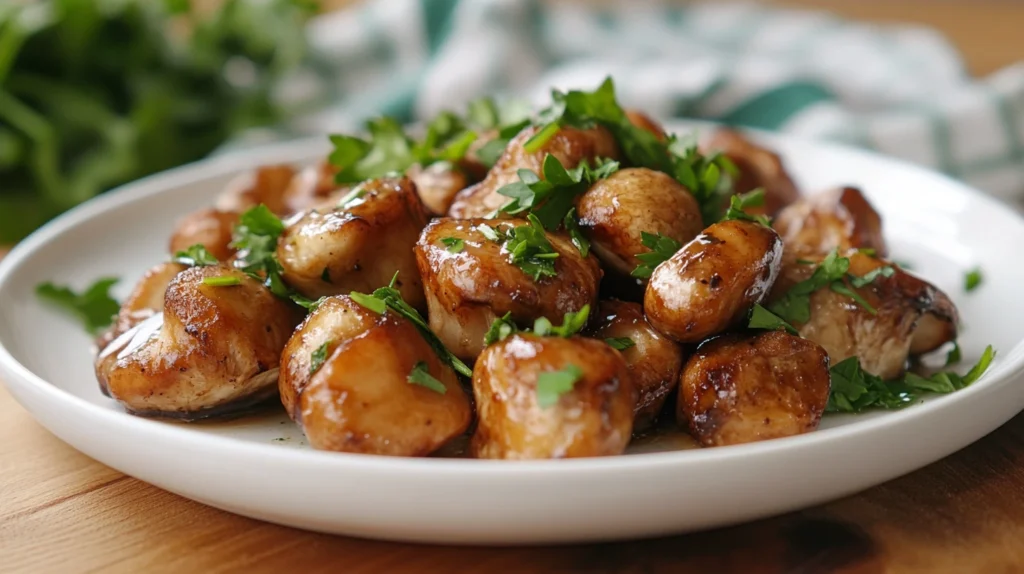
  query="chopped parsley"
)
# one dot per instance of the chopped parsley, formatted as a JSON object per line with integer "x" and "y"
{"x": 422, "y": 377}
{"x": 351, "y": 197}
{"x": 530, "y": 249}
{"x": 954, "y": 355}
{"x": 572, "y": 323}
{"x": 761, "y": 318}
{"x": 94, "y": 306}
{"x": 454, "y": 244}
{"x": 700, "y": 174}
{"x": 195, "y": 256}
{"x": 661, "y": 249}
{"x": 572, "y": 225}
{"x": 501, "y": 328}
{"x": 222, "y": 281}
{"x": 485, "y": 114}
{"x": 972, "y": 279}
{"x": 738, "y": 204}
{"x": 620, "y": 343}
{"x": 388, "y": 297}
{"x": 256, "y": 237}
{"x": 795, "y": 304}
{"x": 854, "y": 390}
{"x": 553, "y": 384}
{"x": 551, "y": 198}
{"x": 317, "y": 357}
{"x": 389, "y": 150}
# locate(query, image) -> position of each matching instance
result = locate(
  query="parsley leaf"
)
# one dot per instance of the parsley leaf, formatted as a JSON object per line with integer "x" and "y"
{"x": 422, "y": 377}
{"x": 620, "y": 343}
{"x": 317, "y": 357}
{"x": 530, "y": 249}
{"x": 854, "y": 390}
{"x": 500, "y": 329}
{"x": 870, "y": 276}
{"x": 195, "y": 256}
{"x": 795, "y": 304}
{"x": 222, "y": 281}
{"x": 454, "y": 244}
{"x": 350, "y": 198}
{"x": 954, "y": 355}
{"x": 553, "y": 384}
{"x": 572, "y": 323}
{"x": 256, "y": 237}
{"x": 385, "y": 298}
{"x": 94, "y": 306}
{"x": 551, "y": 198}
{"x": 387, "y": 151}
{"x": 972, "y": 280}
{"x": 572, "y": 225}
{"x": 661, "y": 249}
{"x": 738, "y": 204}
{"x": 490, "y": 152}
{"x": 761, "y": 318}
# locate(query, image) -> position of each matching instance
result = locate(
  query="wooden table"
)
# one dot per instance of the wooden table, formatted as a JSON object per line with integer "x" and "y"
{"x": 63, "y": 512}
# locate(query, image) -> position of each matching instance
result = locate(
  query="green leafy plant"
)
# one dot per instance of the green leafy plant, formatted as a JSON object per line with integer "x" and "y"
{"x": 95, "y": 93}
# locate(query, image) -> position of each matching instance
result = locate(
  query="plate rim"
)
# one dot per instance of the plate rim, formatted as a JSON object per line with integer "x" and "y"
{"x": 303, "y": 150}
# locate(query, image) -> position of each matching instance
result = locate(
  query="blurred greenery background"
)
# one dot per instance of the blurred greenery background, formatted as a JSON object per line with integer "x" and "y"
{"x": 95, "y": 93}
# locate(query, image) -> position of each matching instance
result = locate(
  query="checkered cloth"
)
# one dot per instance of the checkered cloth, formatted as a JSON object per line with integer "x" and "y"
{"x": 900, "y": 90}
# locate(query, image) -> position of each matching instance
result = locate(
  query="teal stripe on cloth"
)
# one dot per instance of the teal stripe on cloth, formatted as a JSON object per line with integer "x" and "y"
{"x": 438, "y": 16}
{"x": 769, "y": 110}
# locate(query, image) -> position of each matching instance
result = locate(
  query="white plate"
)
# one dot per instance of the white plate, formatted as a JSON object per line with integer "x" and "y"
{"x": 262, "y": 468}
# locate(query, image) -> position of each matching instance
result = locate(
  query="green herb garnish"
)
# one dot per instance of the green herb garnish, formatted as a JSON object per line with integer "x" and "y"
{"x": 222, "y": 281}
{"x": 551, "y": 198}
{"x": 738, "y": 204}
{"x": 795, "y": 304}
{"x": 94, "y": 306}
{"x": 501, "y": 328}
{"x": 422, "y": 377}
{"x": 954, "y": 355}
{"x": 761, "y": 318}
{"x": 317, "y": 357}
{"x": 572, "y": 225}
{"x": 351, "y": 197}
{"x": 661, "y": 249}
{"x": 854, "y": 390}
{"x": 620, "y": 343}
{"x": 389, "y": 150}
{"x": 553, "y": 384}
{"x": 572, "y": 323}
{"x": 530, "y": 249}
{"x": 195, "y": 256}
{"x": 388, "y": 297}
{"x": 972, "y": 280}
{"x": 454, "y": 244}
{"x": 256, "y": 237}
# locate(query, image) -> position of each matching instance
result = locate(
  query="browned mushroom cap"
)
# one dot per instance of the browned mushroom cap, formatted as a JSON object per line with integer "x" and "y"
{"x": 838, "y": 219}
{"x": 746, "y": 388}
{"x": 758, "y": 167}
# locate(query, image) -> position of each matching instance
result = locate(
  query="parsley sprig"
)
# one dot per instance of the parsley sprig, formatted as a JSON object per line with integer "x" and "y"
{"x": 527, "y": 245}
{"x": 421, "y": 376}
{"x": 795, "y": 304}
{"x": 93, "y": 306}
{"x": 700, "y": 174}
{"x": 572, "y": 323}
{"x": 551, "y": 198}
{"x": 551, "y": 385}
{"x": 256, "y": 237}
{"x": 386, "y": 298}
{"x": 195, "y": 256}
{"x": 739, "y": 204}
{"x": 661, "y": 249}
{"x": 761, "y": 318}
{"x": 854, "y": 390}
{"x": 388, "y": 149}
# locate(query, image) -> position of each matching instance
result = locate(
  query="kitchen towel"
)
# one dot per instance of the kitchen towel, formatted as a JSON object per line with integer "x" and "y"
{"x": 900, "y": 90}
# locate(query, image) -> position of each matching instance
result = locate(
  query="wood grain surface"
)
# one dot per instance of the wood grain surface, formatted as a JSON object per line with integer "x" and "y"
{"x": 63, "y": 512}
